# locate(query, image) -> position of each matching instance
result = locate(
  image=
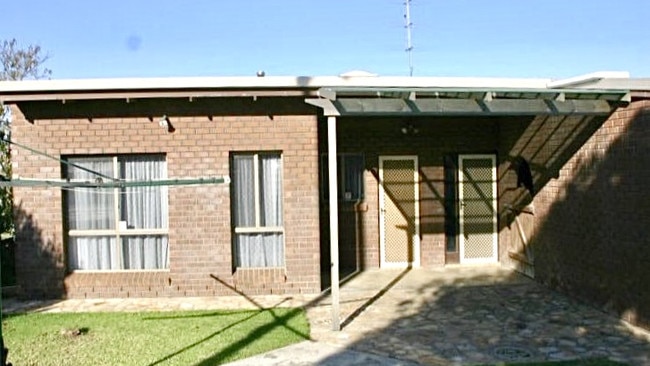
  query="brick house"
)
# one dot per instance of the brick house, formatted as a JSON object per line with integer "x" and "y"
{"x": 543, "y": 176}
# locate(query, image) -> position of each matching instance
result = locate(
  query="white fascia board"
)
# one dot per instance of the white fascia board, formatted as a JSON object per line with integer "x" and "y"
{"x": 252, "y": 83}
{"x": 633, "y": 84}
{"x": 584, "y": 80}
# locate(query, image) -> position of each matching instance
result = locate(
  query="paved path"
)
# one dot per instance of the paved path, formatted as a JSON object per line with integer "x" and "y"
{"x": 450, "y": 316}
{"x": 478, "y": 315}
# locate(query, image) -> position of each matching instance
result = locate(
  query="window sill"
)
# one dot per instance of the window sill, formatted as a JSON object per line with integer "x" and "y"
{"x": 104, "y": 271}
{"x": 260, "y": 268}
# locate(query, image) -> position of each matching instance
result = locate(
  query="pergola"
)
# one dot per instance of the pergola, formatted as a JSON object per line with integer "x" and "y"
{"x": 436, "y": 102}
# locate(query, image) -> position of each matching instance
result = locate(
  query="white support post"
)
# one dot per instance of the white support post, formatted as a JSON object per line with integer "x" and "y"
{"x": 334, "y": 220}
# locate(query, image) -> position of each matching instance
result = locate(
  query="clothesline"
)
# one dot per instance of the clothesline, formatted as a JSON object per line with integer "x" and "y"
{"x": 100, "y": 183}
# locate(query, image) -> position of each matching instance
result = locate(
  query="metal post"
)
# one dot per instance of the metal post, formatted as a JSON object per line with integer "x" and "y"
{"x": 409, "y": 26}
{"x": 334, "y": 220}
{"x": 4, "y": 351}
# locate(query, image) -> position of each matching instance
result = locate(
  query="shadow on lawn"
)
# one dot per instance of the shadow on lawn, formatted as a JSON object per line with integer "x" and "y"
{"x": 241, "y": 344}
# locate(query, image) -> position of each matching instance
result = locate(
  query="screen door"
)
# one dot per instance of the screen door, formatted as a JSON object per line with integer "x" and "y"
{"x": 399, "y": 211}
{"x": 477, "y": 189}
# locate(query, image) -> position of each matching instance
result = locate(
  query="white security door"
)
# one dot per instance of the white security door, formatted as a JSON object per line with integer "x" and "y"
{"x": 399, "y": 211}
{"x": 477, "y": 208}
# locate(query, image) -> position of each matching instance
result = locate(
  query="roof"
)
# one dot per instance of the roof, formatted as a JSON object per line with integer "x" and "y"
{"x": 118, "y": 88}
{"x": 360, "y": 94}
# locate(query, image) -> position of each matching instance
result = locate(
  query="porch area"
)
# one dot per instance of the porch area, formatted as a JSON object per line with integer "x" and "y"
{"x": 470, "y": 315}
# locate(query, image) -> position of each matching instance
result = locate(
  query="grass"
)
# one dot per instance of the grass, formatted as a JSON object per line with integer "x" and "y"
{"x": 150, "y": 338}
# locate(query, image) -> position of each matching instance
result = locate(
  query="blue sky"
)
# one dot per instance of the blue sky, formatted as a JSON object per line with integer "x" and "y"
{"x": 500, "y": 38}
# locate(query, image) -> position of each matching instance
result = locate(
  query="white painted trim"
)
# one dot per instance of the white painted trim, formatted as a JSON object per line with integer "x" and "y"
{"x": 416, "y": 234}
{"x": 118, "y": 270}
{"x": 587, "y": 79}
{"x": 118, "y": 247}
{"x": 117, "y": 233}
{"x": 461, "y": 236}
{"x": 267, "y": 82}
{"x": 332, "y": 161}
{"x": 259, "y": 229}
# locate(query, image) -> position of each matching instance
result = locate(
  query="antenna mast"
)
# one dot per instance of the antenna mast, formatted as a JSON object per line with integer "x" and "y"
{"x": 409, "y": 26}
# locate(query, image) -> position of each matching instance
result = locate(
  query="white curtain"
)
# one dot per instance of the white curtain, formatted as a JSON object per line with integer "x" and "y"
{"x": 145, "y": 252}
{"x": 91, "y": 209}
{"x": 94, "y": 252}
{"x": 260, "y": 249}
{"x": 270, "y": 191}
{"x": 244, "y": 190}
{"x": 88, "y": 208}
{"x": 145, "y": 208}
{"x": 141, "y": 208}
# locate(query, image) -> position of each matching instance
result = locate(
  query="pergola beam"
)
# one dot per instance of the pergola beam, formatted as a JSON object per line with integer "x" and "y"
{"x": 464, "y": 107}
{"x": 369, "y": 101}
{"x": 612, "y": 95}
{"x": 328, "y": 107}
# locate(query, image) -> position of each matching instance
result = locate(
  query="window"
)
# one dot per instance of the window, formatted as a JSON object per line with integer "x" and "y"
{"x": 350, "y": 177}
{"x": 117, "y": 228}
{"x": 258, "y": 239}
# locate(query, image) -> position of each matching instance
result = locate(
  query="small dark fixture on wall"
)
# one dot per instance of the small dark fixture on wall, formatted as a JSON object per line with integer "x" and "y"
{"x": 524, "y": 175}
{"x": 165, "y": 123}
{"x": 409, "y": 129}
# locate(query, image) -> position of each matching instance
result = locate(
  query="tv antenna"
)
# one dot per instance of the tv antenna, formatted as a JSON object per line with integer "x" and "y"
{"x": 409, "y": 26}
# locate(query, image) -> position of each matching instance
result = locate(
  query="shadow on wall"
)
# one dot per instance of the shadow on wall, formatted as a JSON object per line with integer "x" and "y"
{"x": 40, "y": 269}
{"x": 532, "y": 154}
{"x": 593, "y": 243}
{"x": 545, "y": 145}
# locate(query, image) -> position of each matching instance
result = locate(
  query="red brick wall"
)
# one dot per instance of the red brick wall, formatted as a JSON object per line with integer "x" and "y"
{"x": 206, "y": 131}
{"x": 547, "y": 143}
{"x": 592, "y": 210}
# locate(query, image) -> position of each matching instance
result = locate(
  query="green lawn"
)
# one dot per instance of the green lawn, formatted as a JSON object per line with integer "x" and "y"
{"x": 150, "y": 338}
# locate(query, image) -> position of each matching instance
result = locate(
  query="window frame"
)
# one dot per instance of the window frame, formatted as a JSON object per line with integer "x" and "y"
{"x": 120, "y": 230}
{"x": 258, "y": 228}
{"x": 342, "y": 177}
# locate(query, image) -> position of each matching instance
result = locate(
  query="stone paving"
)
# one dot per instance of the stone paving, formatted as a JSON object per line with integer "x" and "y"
{"x": 469, "y": 315}
{"x": 449, "y": 316}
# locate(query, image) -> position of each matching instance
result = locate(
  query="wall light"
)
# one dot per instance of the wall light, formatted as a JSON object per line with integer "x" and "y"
{"x": 409, "y": 129}
{"x": 165, "y": 123}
